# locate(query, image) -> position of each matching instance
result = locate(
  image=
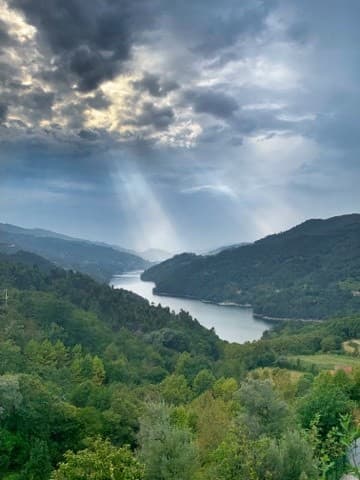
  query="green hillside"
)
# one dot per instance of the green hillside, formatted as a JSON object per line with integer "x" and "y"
{"x": 96, "y": 383}
{"x": 310, "y": 271}
{"x": 101, "y": 261}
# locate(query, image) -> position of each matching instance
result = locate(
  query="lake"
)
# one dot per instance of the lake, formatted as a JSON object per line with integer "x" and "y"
{"x": 235, "y": 324}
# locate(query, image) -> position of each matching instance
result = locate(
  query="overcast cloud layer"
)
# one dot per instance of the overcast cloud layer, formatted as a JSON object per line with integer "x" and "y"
{"x": 180, "y": 125}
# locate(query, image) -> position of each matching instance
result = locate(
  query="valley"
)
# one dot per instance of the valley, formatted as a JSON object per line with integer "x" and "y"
{"x": 231, "y": 323}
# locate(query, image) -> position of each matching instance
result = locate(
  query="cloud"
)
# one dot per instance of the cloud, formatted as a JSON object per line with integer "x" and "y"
{"x": 89, "y": 41}
{"x": 3, "y": 112}
{"x": 5, "y": 37}
{"x": 98, "y": 101}
{"x": 218, "y": 104}
{"x": 216, "y": 189}
{"x": 155, "y": 86}
{"x": 91, "y": 67}
{"x": 254, "y": 101}
{"x": 158, "y": 117}
{"x": 213, "y": 27}
{"x": 39, "y": 102}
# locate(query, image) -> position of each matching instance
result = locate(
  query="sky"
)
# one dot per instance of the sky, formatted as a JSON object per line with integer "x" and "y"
{"x": 181, "y": 125}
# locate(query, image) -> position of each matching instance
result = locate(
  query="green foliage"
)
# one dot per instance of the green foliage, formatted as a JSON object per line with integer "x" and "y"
{"x": 174, "y": 389}
{"x": 331, "y": 449}
{"x": 327, "y": 401}
{"x": 100, "y": 461}
{"x": 212, "y": 418}
{"x": 291, "y": 458}
{"x": 81, "y": 362}
{"x": 331, "y": 343}
{"x": 38, "y": 466}
{"x": 225, "y": 388}
{"x": 167, "y": 449}
{"x": 263, "y": 412}
{"x": 238, "y": 456}
{"x": 203, "y": 381}
{"x": 73, "y": 352}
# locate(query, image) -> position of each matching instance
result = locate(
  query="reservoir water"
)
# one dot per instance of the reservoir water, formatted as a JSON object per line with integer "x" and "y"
{"x": 235, "y": 324}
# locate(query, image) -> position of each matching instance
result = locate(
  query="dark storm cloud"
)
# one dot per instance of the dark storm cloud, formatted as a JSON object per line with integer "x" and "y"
{"x": 8, "y": 75}
{"x": 5, "y": 38}
{"x": 154, "y": 85}
{"x": 90, "y": 67}
{"x": 90, "y": 40}
{"x": 215, "y": 103}
{"x": 88, "y": 135}
{"x": 39, "y": 101}
{"x": 3, "y": 112}
{"x": 157, "y": 117}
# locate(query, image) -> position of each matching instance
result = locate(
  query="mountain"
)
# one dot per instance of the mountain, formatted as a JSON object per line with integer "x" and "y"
{"x": 155, "y": 255}
{"x": 34, "y": 232}
{"x": 225, "y": 247}
{"x": 309, "y": 271}
{"x": 101, "y": 261}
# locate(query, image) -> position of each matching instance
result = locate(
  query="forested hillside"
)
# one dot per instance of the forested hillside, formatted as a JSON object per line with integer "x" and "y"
{"x": 101, "y": 261}
{"x": 310, "y": 271}
{"x": 97, "y": 384}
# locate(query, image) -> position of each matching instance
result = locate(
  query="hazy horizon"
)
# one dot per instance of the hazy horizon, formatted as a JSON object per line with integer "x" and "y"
{"x": 182, "y": 127}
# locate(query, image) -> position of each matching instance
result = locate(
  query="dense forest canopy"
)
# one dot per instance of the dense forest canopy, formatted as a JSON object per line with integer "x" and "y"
{"x": 311, "y": 271}
{"x": 96, "y": 383}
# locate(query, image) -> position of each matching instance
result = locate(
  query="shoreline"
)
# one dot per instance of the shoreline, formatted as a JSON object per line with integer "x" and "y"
{"x": 203, "y": 300}
{"x": 259, "y": 316}
{"x": 268, "y": 318}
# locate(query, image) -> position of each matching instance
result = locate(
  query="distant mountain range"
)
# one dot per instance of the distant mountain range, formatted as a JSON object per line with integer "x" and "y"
{"x": 97, "y": 259}
{"x": 309, "y": 271}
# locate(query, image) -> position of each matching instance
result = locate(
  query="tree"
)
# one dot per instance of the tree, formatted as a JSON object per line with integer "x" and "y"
{"x": 167, "y": 450}
{"x": 225, "y": 388}
{"x": 332, "y": 449}
{"x": 238, "y": 457}
{"x": 38, "y": 467}
{"x": 263, "y": 412}
{"x": 291, "y": 458}
{"x": 331, "y": 343}
{"x": 98, "y": 371}
{"x": 203, "y": 381}
{"x": 189, "y": 365}
{"x": 10, "y": 395}
{"x": 175, "y": 389}
{"x": 10, "y": 357}
{"x": 100, "y": 461}
{"x": 212, "y": 421}
{"x": 327, "y": 400}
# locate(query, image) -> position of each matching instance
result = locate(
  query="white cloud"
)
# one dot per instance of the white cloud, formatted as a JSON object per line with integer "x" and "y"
{"x": 216, "y": 189}
{"x": 288, "y": 117}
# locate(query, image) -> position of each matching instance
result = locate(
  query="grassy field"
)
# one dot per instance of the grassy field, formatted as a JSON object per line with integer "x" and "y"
{"x": 328, "y": 361}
